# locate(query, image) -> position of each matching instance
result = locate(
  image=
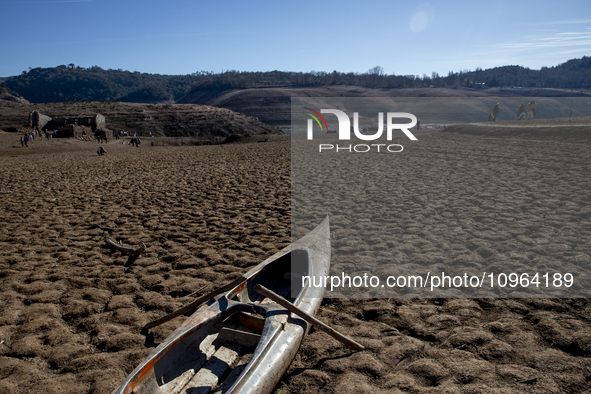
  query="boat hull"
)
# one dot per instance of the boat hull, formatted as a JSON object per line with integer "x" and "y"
{"x": 185, "y": 361}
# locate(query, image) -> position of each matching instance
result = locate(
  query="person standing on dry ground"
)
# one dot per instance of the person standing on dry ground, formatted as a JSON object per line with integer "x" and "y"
{"x": 531, "y": 110}
{"x": 521, "y": 111}
{"x": 496, "y": 111}
{"x": 418, "y": 124}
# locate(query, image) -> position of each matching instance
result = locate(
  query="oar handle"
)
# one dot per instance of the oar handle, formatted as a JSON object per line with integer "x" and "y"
{"x": 310, "y": 319}
{"x": 193, "y": 305}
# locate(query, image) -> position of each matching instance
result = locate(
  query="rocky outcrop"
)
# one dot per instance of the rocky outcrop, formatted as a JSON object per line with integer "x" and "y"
{"x": 8, "y": 95}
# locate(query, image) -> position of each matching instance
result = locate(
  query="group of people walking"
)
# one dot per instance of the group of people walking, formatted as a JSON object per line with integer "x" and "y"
{"x": 528, "y": 112}
{"x": 523, "y": 112}
{"x": 30, "y": 136}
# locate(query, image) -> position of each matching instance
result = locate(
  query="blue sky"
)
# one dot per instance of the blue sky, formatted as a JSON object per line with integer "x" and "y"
{"x": 186, "y": 36}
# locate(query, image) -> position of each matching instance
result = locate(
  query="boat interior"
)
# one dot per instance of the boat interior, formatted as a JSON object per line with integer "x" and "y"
{"x": 211, "y": 358}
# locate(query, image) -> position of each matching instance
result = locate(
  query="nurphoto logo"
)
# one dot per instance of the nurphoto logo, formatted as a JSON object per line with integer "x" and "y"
{"x": 344, "y": 130}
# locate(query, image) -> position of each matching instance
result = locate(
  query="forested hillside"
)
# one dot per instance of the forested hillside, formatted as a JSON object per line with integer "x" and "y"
{"x": 72, "y": 83}
{"x": 574, "y": 74}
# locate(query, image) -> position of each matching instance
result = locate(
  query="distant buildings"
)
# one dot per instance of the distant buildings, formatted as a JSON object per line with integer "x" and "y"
{"x": 66, "y": 126}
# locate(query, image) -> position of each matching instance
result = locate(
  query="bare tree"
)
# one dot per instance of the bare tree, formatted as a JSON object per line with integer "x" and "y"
{"x": 374, "y": 75}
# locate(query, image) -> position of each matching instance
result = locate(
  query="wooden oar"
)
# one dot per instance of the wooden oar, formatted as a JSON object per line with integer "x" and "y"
{"x": 310, "y": 319}
{"x": 194, "y": 305}
{"x": 124, "y": 249}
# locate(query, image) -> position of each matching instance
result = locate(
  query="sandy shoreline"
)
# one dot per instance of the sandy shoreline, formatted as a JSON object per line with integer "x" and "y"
{"x": 70, "y": 312}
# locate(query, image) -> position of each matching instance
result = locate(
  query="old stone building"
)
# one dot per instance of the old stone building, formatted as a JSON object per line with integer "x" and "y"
{"x": 39, "y": 121}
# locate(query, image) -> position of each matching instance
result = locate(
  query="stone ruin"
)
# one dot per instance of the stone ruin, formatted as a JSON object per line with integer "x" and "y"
{"x": 67, "y": 126}
{"x": 38, "y": 121}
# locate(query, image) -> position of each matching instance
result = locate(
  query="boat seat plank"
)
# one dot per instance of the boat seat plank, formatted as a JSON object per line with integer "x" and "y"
{"x": 251, "y": 321}
{"x": 247, "y": 340}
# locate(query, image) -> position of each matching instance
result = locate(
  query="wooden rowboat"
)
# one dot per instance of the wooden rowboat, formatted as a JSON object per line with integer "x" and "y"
{"x": 240, "y": 341}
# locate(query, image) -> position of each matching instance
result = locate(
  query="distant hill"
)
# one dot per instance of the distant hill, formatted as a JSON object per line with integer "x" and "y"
{"x": 8, "y": 95}
{"x": 573, "y": 74}
{"x": 72, "y": 83}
